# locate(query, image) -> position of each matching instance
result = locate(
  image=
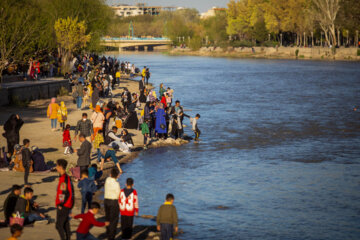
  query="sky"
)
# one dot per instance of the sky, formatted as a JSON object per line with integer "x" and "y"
{"x": 201, "y": 5}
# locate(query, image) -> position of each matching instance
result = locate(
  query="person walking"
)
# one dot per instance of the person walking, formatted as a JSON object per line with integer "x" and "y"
{"x": 12, "y": 132}
{"x": 80, "y": 94}
{"x": 97, "y": 119}
{"x": 85, "y": 127}
{"x": 84, "y": 153}
{"x": 111, "y": 198}
{"x": 52, "y": 113}
{"x": 64, "y": 201}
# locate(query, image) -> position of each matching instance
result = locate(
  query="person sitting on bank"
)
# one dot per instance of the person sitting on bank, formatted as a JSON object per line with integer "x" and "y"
{"x": 117, "y": 142}
{"x": 27, "y": 208}
{"x": 38, "y": 160}
{"x": 107, "y": 153}
{"x": 10, "y": 202}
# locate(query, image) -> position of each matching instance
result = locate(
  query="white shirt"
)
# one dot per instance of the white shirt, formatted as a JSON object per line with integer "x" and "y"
{"x": 112, "y": 189}
{"x": 112, "y": 135}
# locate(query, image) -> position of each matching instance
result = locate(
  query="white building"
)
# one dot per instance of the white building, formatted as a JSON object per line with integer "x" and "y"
{"x": 140, "y": 9}
{"x": 211, "y": 12}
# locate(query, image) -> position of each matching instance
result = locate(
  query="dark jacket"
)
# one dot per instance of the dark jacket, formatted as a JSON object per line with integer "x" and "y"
{"x": 84, "y": 154}
{"x": 38, "y": 161}
{"x": 84, "y": 127}
{"x": 128, "y": 139}
{"x": 9, "y": 205}
{"x": 141, "y": 85}
{"x": 25, "y": 207}
{"x": 26, "y": 157}
{"x": 167, "y": 214}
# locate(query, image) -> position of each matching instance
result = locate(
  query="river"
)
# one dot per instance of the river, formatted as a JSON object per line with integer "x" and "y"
{"x": 279, "y": 156}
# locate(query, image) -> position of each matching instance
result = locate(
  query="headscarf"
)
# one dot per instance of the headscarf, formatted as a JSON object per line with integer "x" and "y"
{"x": 98, "y": 109}
{"x": 53, "y": 100}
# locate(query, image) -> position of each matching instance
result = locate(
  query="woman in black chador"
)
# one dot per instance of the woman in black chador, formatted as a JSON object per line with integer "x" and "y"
{"x": 12, "y": 129}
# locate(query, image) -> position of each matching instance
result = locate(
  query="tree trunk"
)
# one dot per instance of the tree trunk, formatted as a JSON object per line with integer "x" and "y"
{"x": 338, "y": 36}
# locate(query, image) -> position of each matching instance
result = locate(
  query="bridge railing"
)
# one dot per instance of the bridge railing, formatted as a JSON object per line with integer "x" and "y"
{"x": 134, "y": 39}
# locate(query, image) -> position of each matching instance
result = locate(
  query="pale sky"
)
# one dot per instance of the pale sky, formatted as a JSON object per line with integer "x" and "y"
{"x": 201, "y": 5}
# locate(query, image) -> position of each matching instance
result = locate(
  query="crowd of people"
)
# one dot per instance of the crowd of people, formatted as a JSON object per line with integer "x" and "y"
{"x": 93, "y": 80}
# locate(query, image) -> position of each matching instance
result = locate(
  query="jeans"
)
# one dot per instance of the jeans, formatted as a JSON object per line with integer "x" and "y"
{"x": 79, "y": 102}
{"x": 167, "y": 231}
{"x": 86, "y": 198}
{"x": 99, "y": 155}
{"x": 34, "y": 217}
{"x": 53, "y": 123}
{"x": 88, "y": 236}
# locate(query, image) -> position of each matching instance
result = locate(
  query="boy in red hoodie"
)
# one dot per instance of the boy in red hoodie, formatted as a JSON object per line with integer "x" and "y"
{"x": 64, "y": 201}
{"x": 129, "y": 206}
{"x": 88, "y": 221}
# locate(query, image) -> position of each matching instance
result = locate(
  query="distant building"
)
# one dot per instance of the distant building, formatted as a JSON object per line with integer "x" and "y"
{"x": 211, "y": 12}
{"x": 139, "y": 9}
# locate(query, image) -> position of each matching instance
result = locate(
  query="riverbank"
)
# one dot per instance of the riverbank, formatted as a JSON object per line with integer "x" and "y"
{"x": 315, "y": 53}
{"x": 37, "y": 129}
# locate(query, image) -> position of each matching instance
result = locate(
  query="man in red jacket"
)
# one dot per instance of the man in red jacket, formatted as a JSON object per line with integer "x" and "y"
{"x": 88, "y": 221}
{"x": 64, "y": 201}
{"x": 129, "y": 206}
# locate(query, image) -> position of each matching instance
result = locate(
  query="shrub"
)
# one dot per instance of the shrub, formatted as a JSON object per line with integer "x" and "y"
{"x": 358, "y": 52}
{"x": 241, "y": 44}
{"x": 195, "y": 43}
{"x": 270, "y": 44}
{"x": 296, "y": 52}
{"x": 301, "y": 56}
{"x": 63, "y": 92}
{"x": 15, "y": 100}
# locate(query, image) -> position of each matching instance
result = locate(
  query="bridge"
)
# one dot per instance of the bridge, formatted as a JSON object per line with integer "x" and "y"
{"x": 133, "y": 42}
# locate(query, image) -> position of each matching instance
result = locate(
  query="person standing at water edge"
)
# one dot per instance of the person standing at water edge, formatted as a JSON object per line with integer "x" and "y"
{"x": 129, "y": 206}
{"x": 85, "y": 127}
{"x": 52, "y": 113}
{"x": 195, "y": 127}
{"x": 64, "y": 200}
{"x": 167, "y": 219}
{"x": 111, "y": 198}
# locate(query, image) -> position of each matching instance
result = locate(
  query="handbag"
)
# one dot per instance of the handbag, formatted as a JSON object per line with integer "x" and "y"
{"x": 17, "y": 220}
{"x": 75, "y": 172}
{"x": 162, "y": 126}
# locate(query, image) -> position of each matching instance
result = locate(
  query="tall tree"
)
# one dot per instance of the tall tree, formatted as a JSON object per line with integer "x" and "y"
{"x": 71, "y": 36}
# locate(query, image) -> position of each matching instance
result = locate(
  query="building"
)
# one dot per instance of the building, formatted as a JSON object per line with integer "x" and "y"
{"x": 211, "y": 12}
{"x": 139, "y": 9}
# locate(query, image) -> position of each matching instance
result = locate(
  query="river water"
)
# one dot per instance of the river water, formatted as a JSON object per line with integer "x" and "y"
{"x": 279, "y": 156}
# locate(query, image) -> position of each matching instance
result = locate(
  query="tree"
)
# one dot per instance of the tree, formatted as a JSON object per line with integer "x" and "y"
{"x": 70, "y": 35}
{"x": 20, "y": 31}
{"x": 325, "y": 12}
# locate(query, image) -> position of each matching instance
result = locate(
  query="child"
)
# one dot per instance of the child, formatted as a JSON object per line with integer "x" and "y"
{"x": 67, "y": 140}
{"x": 93, "y": 173}
{"x": 195, "y": 127}
{"x": 167, "y": 218}
{"x": 86, "y": 97}
{"x": 99, "y": 138}
{"x": 87, "y": 187}
{"x": 16, "y": 231}
{"x": 129, "y": 205}
{"x": 88, "y": 221}
{"x": 145, "y": 131}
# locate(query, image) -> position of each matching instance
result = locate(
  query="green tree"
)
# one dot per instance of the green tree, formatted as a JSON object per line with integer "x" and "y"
{"x": 71, "y": 36}
{"x": 21, "y": 31}
{"x": 215, "y": 27}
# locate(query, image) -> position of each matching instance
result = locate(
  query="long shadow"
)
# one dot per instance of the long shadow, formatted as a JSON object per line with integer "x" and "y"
{"x": 49, "y": 179}
{"x": 47, "y": 150}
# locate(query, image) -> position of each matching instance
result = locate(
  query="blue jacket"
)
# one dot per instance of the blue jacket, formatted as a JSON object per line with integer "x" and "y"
{"x": 87, "y": 185}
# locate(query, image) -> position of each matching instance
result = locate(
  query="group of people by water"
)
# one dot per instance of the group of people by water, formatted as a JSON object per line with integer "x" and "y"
{"x": 93, "y": 80}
